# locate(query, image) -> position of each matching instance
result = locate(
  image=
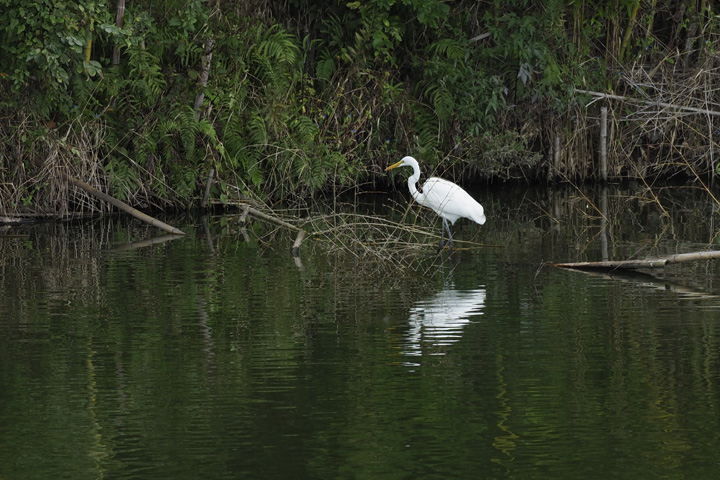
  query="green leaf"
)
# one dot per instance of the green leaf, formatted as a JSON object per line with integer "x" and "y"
{"x": 92, "y": 67}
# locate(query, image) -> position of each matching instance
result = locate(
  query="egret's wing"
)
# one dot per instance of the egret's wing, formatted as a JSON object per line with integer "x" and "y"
{"x": 450, "y": 201}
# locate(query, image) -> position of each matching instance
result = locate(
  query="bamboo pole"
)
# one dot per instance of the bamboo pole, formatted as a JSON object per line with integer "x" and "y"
{"x": 197, "y": 106}
{"x": 603, "y": 144}
{"x": 208, "y": 185}
{"x": 122, "y": 205}
{"x": 118, "y": 23}
{"x": 204, "y": 75}
{"x": 556, "y": 155}
{"x": 604, "y": 223}
{"x": 628, "y": 31}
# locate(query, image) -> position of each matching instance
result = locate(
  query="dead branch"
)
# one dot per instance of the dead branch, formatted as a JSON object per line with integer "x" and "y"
{"x": 121, "y": 205}
{"x": 622, "y": 98}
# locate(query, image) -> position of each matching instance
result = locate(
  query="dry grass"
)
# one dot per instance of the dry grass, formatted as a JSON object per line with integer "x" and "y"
{"x": 35, "y": 157}
{"x": 663, "y": 121}
{"x": 672, "y": 127}
{"x": 30, "y": 179}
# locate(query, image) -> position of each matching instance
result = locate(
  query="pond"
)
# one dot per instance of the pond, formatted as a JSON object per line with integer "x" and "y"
{"x": 220, "y": 355}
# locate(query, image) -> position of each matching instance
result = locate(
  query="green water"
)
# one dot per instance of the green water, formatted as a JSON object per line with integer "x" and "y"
{"x": 218, "y": 355}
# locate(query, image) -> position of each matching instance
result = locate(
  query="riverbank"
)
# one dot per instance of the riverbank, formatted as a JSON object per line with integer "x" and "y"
{"x": 174, "y": 108}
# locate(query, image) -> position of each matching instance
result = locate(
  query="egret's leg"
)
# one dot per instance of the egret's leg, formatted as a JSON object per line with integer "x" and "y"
{"x": 450, "y": 239}
{"x": 443, "y": 228}
{"x": 442, "y": 236}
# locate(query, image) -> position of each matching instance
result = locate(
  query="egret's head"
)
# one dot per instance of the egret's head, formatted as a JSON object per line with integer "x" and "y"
{"x": 405, "y": 162}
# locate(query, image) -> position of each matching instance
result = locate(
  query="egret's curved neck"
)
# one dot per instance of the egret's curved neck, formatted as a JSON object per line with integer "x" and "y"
{"x": 418, "y": 196}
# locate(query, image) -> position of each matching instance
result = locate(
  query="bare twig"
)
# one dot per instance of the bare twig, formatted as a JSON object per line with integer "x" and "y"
{"x": 684, "y": 108}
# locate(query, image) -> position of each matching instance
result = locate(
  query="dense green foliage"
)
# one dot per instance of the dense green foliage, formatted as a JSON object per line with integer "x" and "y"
{"x": 304, "y": 96}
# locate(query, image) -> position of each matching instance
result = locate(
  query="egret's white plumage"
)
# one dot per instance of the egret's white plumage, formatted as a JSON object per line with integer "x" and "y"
{"x": 445, "y": 198}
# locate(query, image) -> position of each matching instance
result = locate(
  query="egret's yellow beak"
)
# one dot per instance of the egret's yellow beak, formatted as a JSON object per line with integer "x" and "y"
{"x": 394, "y": 165}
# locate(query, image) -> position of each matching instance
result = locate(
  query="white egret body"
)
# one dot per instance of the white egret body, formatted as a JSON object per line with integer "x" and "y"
{"x": 445, "y": 198}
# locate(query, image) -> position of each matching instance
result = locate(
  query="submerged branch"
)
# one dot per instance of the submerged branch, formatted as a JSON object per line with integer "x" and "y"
{"x": 362, "y": 236}
{"x": 278, "y": 221}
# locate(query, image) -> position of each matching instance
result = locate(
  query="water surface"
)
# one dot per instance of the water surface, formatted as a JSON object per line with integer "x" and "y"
{"x": 219, "y": 355}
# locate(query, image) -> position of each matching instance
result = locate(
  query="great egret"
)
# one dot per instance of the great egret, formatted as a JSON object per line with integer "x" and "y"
{"x": 445, "y": 198}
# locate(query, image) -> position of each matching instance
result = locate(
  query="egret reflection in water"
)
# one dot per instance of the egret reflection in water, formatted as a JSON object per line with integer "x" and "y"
{"x": 438, "y": 321}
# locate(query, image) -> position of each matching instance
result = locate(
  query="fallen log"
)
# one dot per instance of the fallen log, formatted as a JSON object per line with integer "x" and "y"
{"x": 122, "y": 205}
{"x": 659, "y": 262}
{"x": 649, "y": 280}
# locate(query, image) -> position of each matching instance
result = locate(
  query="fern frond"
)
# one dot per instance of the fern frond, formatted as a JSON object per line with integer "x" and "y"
{"x": 249, "y": 159}
{"x": 257, "y": 130}
{"x": 232, "y": 139}
{"x": 279, "y": 46}
{"x": 188, "y": 129}
{"x": 189, "y": 53}
{"x": 148, "y": 80}
{"x": 427, "y": 128}
{"x": 442, "y": 101}
{"x": 306, "y": 129}
{"x": 326, "y": 66}
{"x": 451, "y": 48}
